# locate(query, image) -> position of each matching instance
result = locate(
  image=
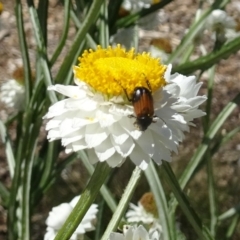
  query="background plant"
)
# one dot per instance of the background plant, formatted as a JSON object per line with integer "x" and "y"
{"x": 35, "y": 165}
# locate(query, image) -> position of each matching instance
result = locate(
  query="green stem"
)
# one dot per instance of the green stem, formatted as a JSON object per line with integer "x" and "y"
{"x": 104, "y": 30}
{"x": 212, "y": 194}
{"x": 8, "y": 148}
{"x": 91, "y": 43}
{"x": 64, "y": 34}
{"x": 230, "y": 212}
{"x": 216, "y": 125}
{"x": 209, "y": 99}
{"x": 99, "y": 176}
{"x": 210, "y": 173}
{"x": 195, "y": 29}
{"x": 232, "y": 227}
{"x": 106, "y": 194}
{"x": 123, "y": 204}
{"x": 160, "y": 199}
{"x": 204, "y": 63}
{"x": 194, "y": 220}
{"x": 71, "y": 57}
{"x": 24, "y": 51}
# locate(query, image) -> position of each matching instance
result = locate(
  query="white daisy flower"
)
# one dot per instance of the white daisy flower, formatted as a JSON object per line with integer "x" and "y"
{"x": 59, "y": 214}
{"x": 145, "y": 212}
{"x": 219, "y": 22}
{"x": 136, "y": 233}
{"x": 13, "y": 94}
{"x": 137, "y": 213}
{"x": 135, "y": 5}
{"x": 160, "y": 48}
{"x": 13, "y": 91}
{"x": 97, "y": 115}
{"x": 126, "y": 36}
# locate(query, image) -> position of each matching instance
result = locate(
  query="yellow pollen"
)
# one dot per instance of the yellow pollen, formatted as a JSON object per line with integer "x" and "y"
{"x": 1, "y": 8}
{"x": 110, "y": 71}
{"x": 148, "y": 202}
{"x": 18, "y": 75}
{"x": 162, "y": 43}
{"x": 90, "y": 119}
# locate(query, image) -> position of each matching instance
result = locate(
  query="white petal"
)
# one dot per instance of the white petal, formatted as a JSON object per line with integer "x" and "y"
{"x": 85, "y": 104}
{"x": 146, "y": 143}
{"x": 162, "y": 152}
{"x": 118, "y": 134}
{"x": 105, "y": 119}
{"x": 125, "y": 148}
{"x": 115, "y": 160}
{"x": 69, "y": 91}
{"x": 141, "y": 233}
{"x": 105, "y": 150}
{"x": 139, "y": 157}
{"x": 57, "y": 109}
{"x": 79, "y": 145}
{"x": 53, "y": 135}
{"x": 115, "y": 236}
{"x": 50, "y": 234}
{"x": 55, "y": 220}
{"x": 95, "y": 135}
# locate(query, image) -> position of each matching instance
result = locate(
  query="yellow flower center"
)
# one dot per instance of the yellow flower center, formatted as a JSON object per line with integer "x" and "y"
{"x": 111, "y": 71}
{"x": 18, "y": 75}
{"x": 162, "y": 43}
{"x": 1, "y": 7}
{"x": 149, "y": 204}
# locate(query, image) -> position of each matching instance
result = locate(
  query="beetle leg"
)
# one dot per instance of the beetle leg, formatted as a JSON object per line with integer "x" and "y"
{"x": 149, "y": 85}
{"x": 131, "y": 116}
{"x": 125, "y": 91}
{"x": 154, "y": 121}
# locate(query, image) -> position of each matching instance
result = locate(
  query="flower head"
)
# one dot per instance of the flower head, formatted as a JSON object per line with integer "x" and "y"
{"x": 218, "y": 20}
{"x": 97, "y": 115}
{"x": 59, "y": 214}
{"x": 220, "y": 23}
{"x": 13, "y": 90}
{"x": 160, "y": 48}
{"x": 145, "y": 212}
{"x": 136, "y": 233}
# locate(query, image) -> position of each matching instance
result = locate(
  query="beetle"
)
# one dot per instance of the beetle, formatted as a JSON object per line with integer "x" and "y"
{"x": 142, "y": 101}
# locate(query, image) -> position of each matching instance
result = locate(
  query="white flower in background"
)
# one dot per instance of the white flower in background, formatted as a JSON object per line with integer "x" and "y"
{"x": 145, "y": 213}
{"x": 59, "y": 214}
{"x": 137, "y": 213}
{"x": 13, "y": 94}
{"x": 160, "y": 48}
{"x": 97, "y": 115}
{"x": 127, "y": 36}
{"x": 151, "y": 20}
{"x": 136, "y": 233}
{"x": 135, "y": 5}
{"x": 13, "y": 91}
{"x": 219, "y": 22}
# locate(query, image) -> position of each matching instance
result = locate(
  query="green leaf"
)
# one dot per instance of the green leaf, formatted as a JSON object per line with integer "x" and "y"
{"x": 123, "y": 204}
{"x": 161, "y": 202}
{"x": 88, "y": 196}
